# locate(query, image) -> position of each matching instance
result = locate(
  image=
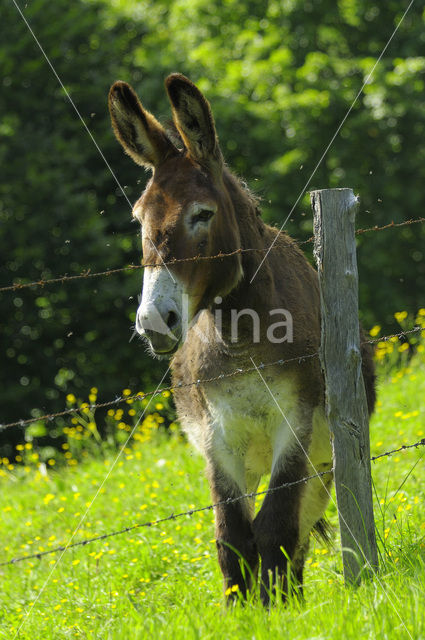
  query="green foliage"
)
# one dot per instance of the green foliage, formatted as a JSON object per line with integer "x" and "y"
{"x": 163, "y": 581}
{"x": 281, "y": 77}
{"x": 396, "y": 353}
{"x": 87, "y": 431}
{"x": 61, "y": 210}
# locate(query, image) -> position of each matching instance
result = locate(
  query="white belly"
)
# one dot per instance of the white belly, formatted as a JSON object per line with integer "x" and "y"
{"x": 251, "y": 424}
{"x": 249, "y": 427}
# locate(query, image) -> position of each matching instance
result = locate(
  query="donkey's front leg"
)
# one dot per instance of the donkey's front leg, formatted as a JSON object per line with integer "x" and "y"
{"x": 237, "y": 552}
{"x": 276, "y": 527}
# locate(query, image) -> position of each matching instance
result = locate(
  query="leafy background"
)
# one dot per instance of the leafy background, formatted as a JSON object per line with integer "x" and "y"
{"x": 280, "y": 75}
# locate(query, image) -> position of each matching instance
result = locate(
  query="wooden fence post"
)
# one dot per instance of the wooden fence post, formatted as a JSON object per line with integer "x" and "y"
{"x": 346, "y": 407}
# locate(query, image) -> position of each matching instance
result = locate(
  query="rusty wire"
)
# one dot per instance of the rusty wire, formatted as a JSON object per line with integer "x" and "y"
{"x": 191, "y": 512}
{"x": 403, "y": 447}
{"x": 142, "y": 396}
{"x": 231, "y": 374}
{"x": 391, "y": 225}
{"x": 220, "y": 256}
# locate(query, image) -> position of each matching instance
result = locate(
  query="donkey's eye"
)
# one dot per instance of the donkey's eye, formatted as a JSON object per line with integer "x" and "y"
{"x": 202, "y": 216}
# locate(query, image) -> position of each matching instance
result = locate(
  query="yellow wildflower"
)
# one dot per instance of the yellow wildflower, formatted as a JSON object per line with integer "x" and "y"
{"x": 232, "y": 589}
{"x": 400, "y": 316}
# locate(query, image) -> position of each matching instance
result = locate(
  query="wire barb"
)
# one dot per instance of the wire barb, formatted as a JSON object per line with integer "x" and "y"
{"x": 191, "y": 512}
{"x": 98, "y": 274}
{"x": 141, "y": 396}
{"x": 403, "y": 447}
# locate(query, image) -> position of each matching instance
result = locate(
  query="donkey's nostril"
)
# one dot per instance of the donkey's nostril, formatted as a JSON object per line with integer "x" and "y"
{"x": 172, "y": 320}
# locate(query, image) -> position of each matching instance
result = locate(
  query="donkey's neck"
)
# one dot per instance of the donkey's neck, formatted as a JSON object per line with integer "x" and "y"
{"x": 248, "y": 298}
{"x": 255, "y": 238}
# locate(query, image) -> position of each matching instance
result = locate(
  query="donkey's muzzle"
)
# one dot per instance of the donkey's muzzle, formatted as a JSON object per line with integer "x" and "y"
{"x": 161, "y": 327}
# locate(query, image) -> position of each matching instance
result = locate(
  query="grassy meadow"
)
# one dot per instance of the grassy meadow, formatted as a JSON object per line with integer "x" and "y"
{"x": 163, "y": 581}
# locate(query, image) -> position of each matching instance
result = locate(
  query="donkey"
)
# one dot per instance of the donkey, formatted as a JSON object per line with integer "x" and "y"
{"x": 264, "y": 421}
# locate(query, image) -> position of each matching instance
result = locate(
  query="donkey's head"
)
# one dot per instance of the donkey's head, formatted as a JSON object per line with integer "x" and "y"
{"x": 185, "y": 210}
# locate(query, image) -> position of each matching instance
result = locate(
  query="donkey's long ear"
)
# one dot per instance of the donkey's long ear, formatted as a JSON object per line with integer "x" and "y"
{"x": 138, "y": 131}
{"x": 193, "y": 119}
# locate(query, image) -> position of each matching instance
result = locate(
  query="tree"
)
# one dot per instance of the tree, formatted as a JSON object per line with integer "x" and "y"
{"x": 62, "y": 212}
{"x": 281, "y": 77}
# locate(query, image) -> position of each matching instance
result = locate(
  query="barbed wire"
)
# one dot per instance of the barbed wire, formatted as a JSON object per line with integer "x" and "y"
{"x": 61, "y": 279}
{"x": 141, "y": 396}
{"x": 172, "y": 516}
{"x": 393, "y": 335}
{"x": 391, "y": 225}
{"x": 191, "y": 512}
{"x": 219, "y": 256}
{"x": 403, "y": 447}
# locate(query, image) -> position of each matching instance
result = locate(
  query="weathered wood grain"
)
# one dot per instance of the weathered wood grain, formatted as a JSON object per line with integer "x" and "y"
{"x": 346, "y": 406}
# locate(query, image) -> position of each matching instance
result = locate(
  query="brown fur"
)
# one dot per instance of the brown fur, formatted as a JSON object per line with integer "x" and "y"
{"x": 235, "y": 424}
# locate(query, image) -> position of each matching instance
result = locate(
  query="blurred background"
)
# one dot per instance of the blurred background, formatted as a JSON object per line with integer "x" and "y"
{"x": 280, "y": 76}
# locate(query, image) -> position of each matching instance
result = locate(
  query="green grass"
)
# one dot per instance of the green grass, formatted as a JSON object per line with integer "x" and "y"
{"x": 164, "y": 581}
